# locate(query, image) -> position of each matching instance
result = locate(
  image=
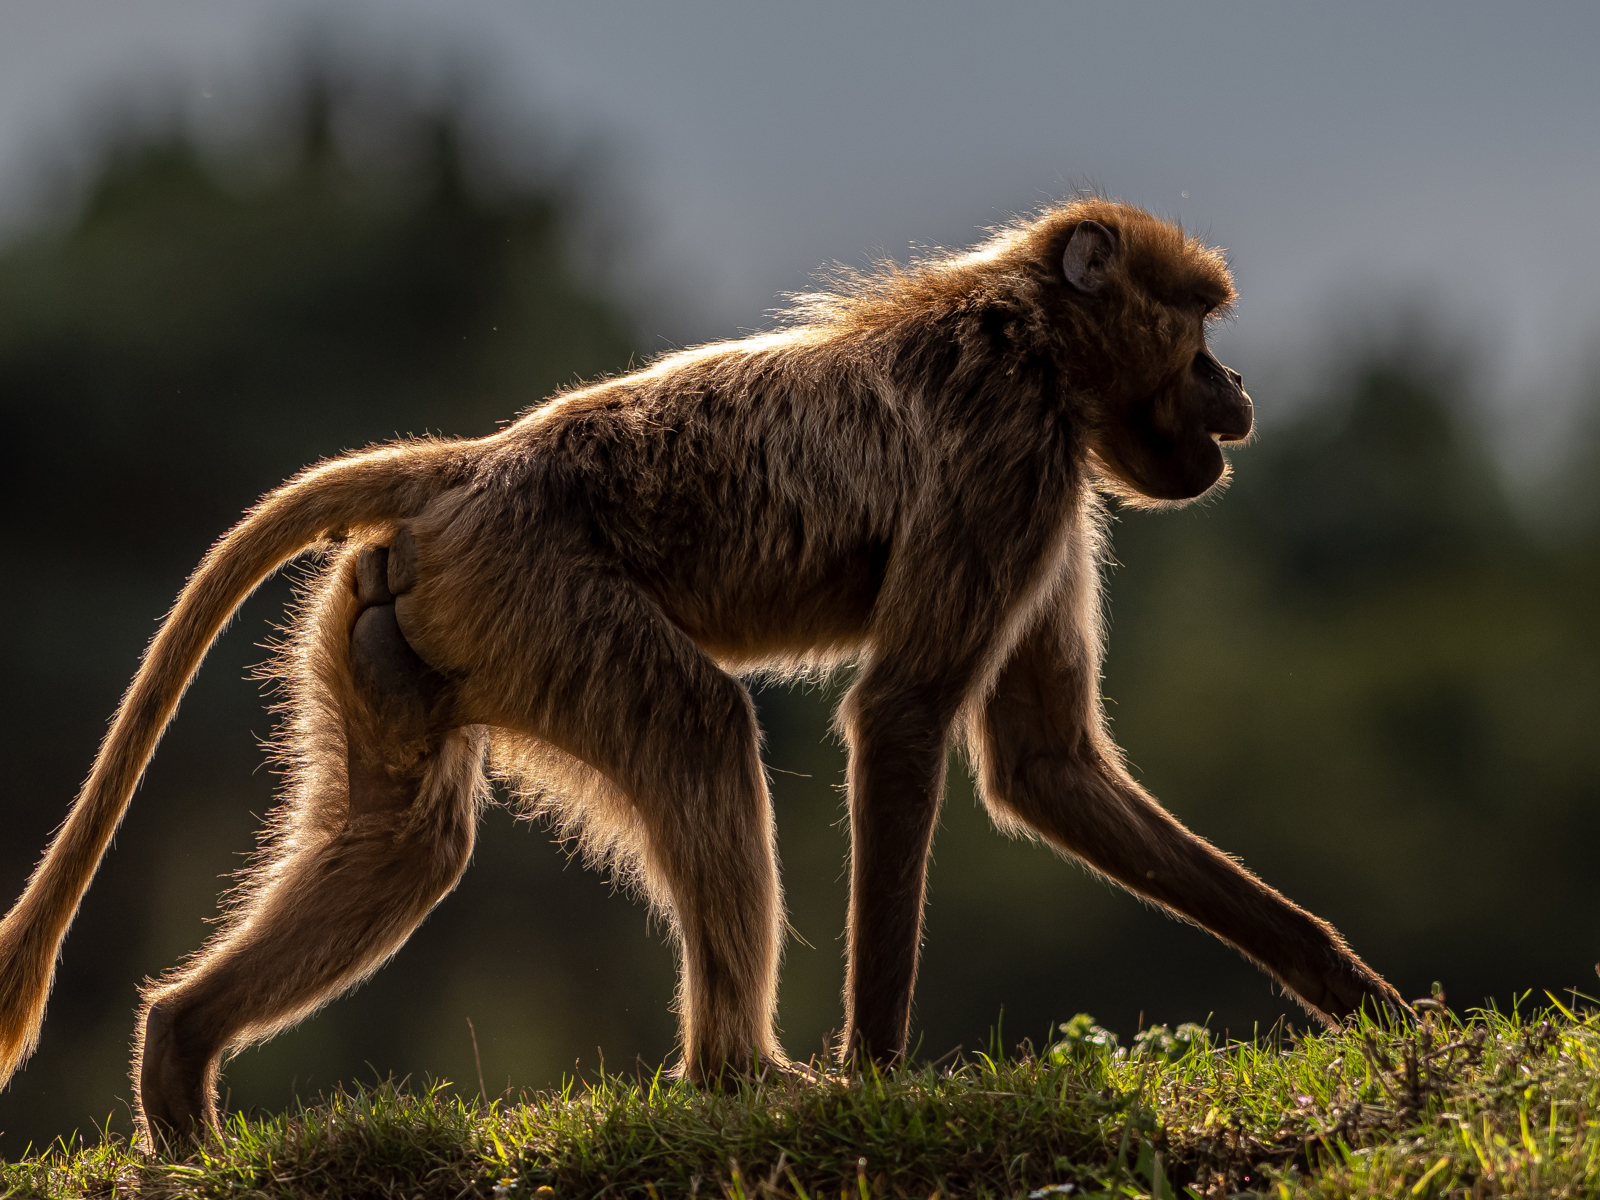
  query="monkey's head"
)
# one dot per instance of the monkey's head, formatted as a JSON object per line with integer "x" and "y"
{"x": 1138, "y": 295}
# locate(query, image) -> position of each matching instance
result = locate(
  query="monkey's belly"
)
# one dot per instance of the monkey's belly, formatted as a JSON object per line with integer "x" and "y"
{"x": 814, "y": 626}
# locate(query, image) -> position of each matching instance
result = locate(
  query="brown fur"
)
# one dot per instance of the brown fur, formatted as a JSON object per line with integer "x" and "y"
{"x": 903, "y": 478}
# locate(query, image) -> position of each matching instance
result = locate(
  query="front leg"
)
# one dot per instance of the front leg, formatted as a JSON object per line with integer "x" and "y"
{"x": 897, "y": 734}
{"x": 967, "y": 567}
{"x": 1048, "y": 767}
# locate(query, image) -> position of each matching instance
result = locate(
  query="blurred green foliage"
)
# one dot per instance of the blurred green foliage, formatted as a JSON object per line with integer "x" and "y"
{"x": 1358, "y": 669}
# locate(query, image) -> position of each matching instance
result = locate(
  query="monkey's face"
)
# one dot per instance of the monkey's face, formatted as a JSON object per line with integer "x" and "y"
{"x": 1169, "y": 447}
{"x": 1168, "y": 406}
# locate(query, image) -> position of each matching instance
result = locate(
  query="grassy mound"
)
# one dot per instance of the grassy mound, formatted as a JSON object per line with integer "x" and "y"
{"x": 1490, "y": 1106}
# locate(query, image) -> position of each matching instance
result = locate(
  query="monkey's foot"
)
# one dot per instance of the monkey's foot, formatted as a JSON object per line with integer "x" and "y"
{"x": 788, "y": 1070}
{"x": 175, "y": 1096}
{"x": 758, "y": 1070}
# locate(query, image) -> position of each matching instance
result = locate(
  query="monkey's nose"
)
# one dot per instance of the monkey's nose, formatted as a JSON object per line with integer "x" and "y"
{"x": 1238, "y": 379}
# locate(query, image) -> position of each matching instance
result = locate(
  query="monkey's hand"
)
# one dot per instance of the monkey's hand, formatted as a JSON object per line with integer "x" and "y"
{"x": 1346, "y": 988}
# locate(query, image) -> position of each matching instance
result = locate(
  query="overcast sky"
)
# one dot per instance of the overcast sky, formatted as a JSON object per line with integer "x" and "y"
{"x": 1351, "y": 157}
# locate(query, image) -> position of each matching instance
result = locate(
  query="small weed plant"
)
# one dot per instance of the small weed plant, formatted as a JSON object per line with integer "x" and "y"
{"x": 1491, "y": 1105}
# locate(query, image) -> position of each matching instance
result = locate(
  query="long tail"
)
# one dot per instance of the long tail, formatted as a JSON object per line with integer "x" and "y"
{"x": 390, "y": 483}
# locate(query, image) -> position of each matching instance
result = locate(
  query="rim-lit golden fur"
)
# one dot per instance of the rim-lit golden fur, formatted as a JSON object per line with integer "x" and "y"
{"x": 901, "y": 477}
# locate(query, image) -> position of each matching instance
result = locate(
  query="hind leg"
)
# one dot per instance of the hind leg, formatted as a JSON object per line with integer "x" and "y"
{"x": 377, "y": 828}
{"x": 593, "y": 667}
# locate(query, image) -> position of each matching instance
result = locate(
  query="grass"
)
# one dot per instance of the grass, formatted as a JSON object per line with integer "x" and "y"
{"x": 1493, "y": 1105}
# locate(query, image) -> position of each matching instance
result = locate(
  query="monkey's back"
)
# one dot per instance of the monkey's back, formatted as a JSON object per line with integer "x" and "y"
{"x": 751, "y": 488}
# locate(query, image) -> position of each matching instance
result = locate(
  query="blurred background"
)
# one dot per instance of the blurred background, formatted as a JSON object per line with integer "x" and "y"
{"x": 237, "y": 238}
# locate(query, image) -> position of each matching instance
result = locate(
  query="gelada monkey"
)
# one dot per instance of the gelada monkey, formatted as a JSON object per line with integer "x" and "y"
{"x": 905, "y": 477}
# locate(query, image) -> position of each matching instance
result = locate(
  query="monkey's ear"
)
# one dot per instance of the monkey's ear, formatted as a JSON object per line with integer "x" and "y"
{"x": 1090, "y": 251}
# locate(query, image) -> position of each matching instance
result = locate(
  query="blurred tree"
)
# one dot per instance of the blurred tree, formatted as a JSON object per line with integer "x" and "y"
{"x": 322, "y": 309}
{"x": 1384, "y": 480}
{"x": 1573, "y": 499}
